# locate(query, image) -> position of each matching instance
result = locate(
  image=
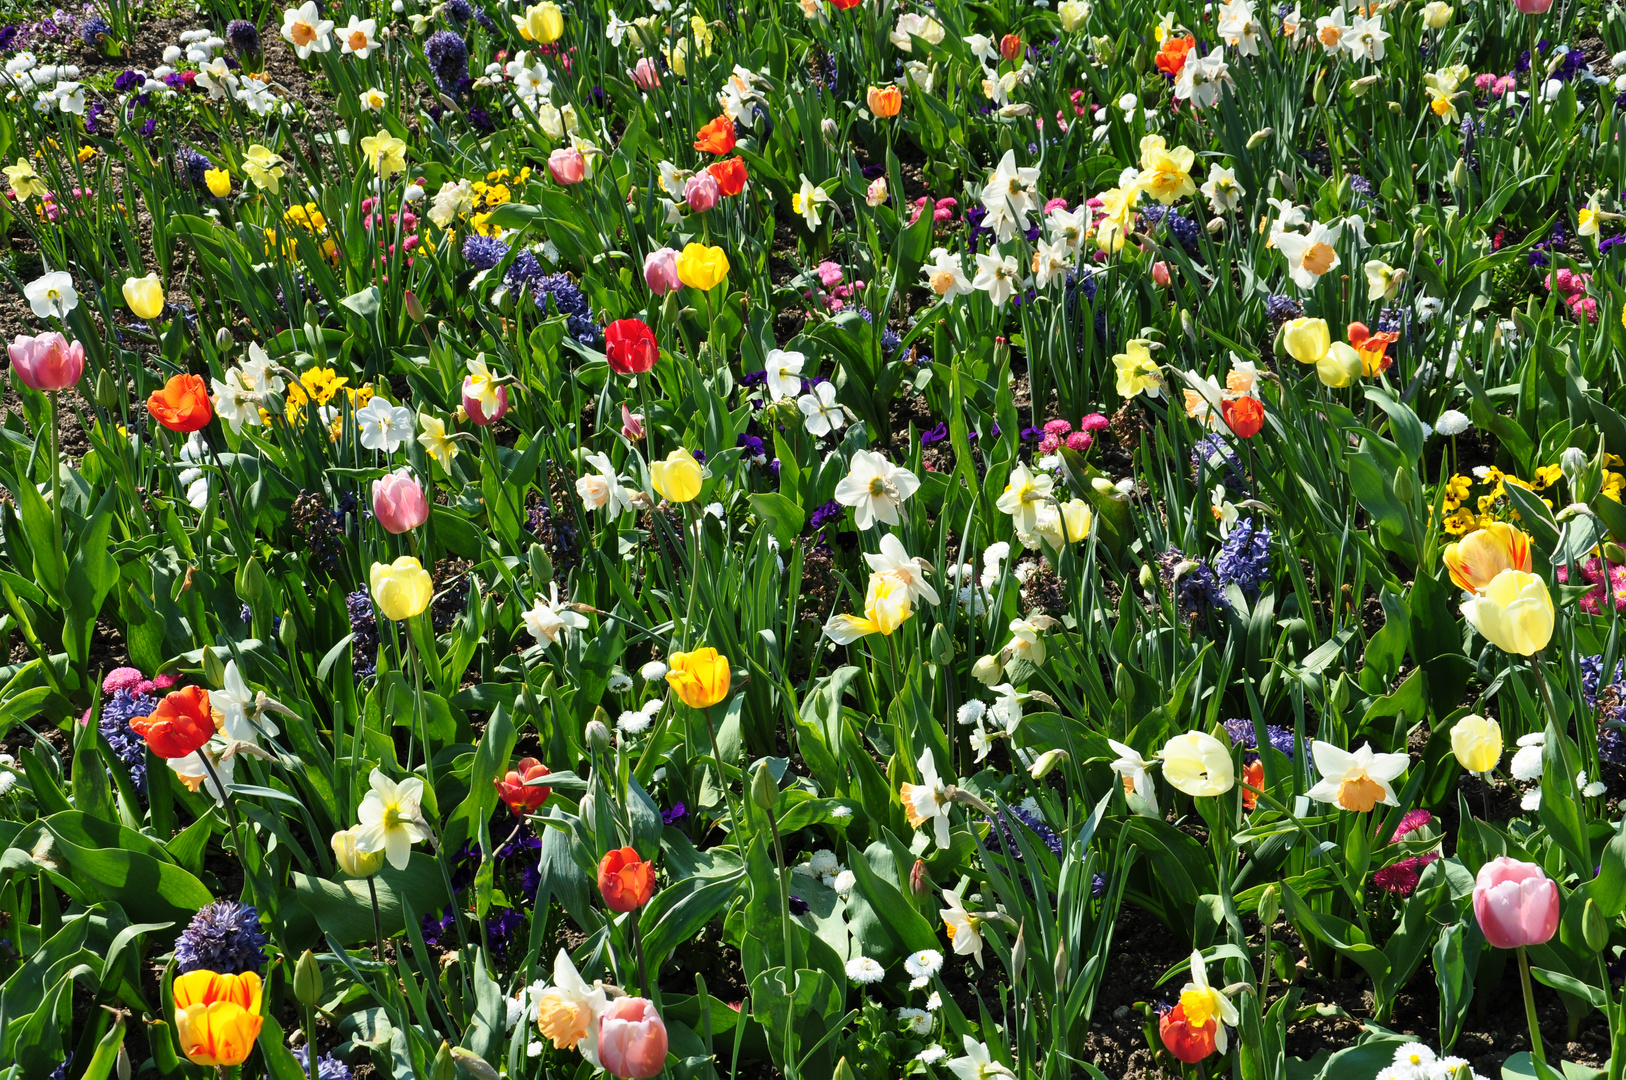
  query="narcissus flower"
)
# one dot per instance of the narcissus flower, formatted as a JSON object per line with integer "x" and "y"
{"x": 263, "y": 167}
{"x": 25, "y": 182}
{"x": 1309, "y": 255}
{"x": 875, "y": 488}
{"x": 1165, "y": 174}
{"x": 624, "y": 880}
{"x": 392, "y": 818}
{"x": 567, "y": 1013}
{"x": 217, "y": 1017}
{"x": 886, "y": 607}
{"x": 1195, "y": 1027}
{"x": 1476, "y": 559}
{"x": 401, "y": 589}
{"x": 385, "y": 154}
{"x": 1355, "y": 781}
{"x": 928, "y": 801}
{"x": 181, "y": 725}
{"x": 1137, "y": 371}
{"x": 809, "y": 201}
{"x": 964, "y": 927}
{"x": 1514, "y": 612}
{"x": 699, "y": 678}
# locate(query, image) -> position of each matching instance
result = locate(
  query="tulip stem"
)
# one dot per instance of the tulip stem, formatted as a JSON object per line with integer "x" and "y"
{"x": 1536, "y": 1050}
{"x": 722, "y": 779}
{"x": 231, "y": 815}
{"x": 56, "y": 474}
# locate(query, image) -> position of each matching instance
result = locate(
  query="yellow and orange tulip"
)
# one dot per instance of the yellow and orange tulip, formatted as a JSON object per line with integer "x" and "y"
{"x": 217, "y": 1017}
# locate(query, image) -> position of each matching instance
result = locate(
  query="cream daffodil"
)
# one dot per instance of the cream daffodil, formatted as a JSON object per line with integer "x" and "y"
{"x": 964, "y": 928}
{"x": 910, "y": 571}
{"x": 392, "y": 818}
{"x": 435, "y": 441}
{"x": 1202, "y": 1003}
{"x": 929, "y": 800}
{"x": 1135, "y": 773}
{"x": 1355, "y": 781}
{"x": 886, "y": 607}
{"x": 1025, "y": 492}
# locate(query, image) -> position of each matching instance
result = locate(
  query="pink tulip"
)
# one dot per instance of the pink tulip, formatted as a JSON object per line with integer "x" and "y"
{"x": 1160, "y": 274}
{"x": 702, "y": 192}
{"x": 47, "y": 362}
{"x": 632, "y": 1039}
{"x": 660, "y": 271}
{"x": 1516, "y": 903}
{"x": 477, "y": 412}
{"x": 632, "y": 424}
{"x": 1533, "y": 7}
{"x": 646, "y": 74}
{"x": 398, "y": 502}
{"x": 567, "y": 166}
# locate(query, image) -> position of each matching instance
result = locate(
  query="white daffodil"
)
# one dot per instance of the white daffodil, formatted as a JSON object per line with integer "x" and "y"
{"x": 964, "y": 928}
{"x": 874, "y": 488}
{"x": 1355, "y": 781}
{"x": 1134, "y": 771}
{"x": 603, "y": 490}
{"x": 392, "y": 818}
{"x": 382, "y": 426}
{"x": 51, "y": 294}
{"x": 978, "y": 1062}
{"x": 1010, "y": 195}
{"x": 784, "y": 373}
{"x": 997, "y": 275}
{"x": 821, "y": 413}
{"x": 547, "y": 620}
{"x": 928, "y": 801}
{"x": 894, "y": 561}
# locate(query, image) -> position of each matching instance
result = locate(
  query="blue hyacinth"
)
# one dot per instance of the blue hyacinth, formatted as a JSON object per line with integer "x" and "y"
{"x": 223, "y": 937}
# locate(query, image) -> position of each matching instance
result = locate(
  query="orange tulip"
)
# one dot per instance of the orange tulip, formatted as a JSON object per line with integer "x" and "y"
{"x": 182, "y": 405}
{"x": 626, "y": 881}
{"x": 730, "y": 175}
{"x": 521, "y": 796}
{"x": 885, "y": 101}
{"x": 717, "y": 137}
{"x": 1172, "y": 56}
{"x": 181, "y": 725}
{"x": 1244, "y": 416}
{"x": 1253, "y": 775}
{"x": 1187, "y": 1041}
{"x": 1010, "y": 46}
{"x": 217, "y": 1017}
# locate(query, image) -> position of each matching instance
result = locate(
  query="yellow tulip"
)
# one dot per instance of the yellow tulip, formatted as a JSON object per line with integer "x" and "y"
{"x": 385, "y": 153}
{"x": 678, "y": 478}
{"x": 401, "y": 589}
{"x": 1198, "y": 764}
{"x": 1341, "y": 366}
{"x": 699, "y": 678}
{"x": 1478, "y": 557}
{"x": 544, "y": 23}
{"x": 1477, "y": 743}
{"x": 218, "y": 181}
{"x": 1306, "y": 340}
{"x": 1076, "y": 518}
{"x": 217, "y": 1017}
{"x": 701, "y": 267}
{"x": 351, "y": 859}
{"x": 144, "y": 296}
{"x": 1073, "y": 14}
{"x": 1513, "y": 612}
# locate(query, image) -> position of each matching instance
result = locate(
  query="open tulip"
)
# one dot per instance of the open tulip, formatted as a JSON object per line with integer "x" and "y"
{"x": 1198, "y": 764}
{"x": 1477, "y": 743}
{"x": 632, "y": 1039}
{"x": 730, "y": 174}
{"x": 398, "y": 502}
{"x": 1188, "y": 1042}
{"x": 646, "y": 74}
{"x": 701, "y": 267}
{"x": 47, "y": 362}
{"x": 678, "y": 477}
{"x": 1476, "y": 559}
{"x": 144, "y": 296}
{"x": 401, "y": 589}
{"x": 630, "y": 347}
{"x": 625, "y": 881}
{"x": 699, "y": 678}
{"x": 884, "y": 101}
{"x": 1514, "y": 612}
{"x": 660, "y": 271}
{"x": 182, "y": 405}
{"x": 516, "y": 790}
{"x": 1516, "y": 904}
{"x": 701, "y": 192}
{"x": 181, "y": 724}
{"x": 217, "y": 1017}
{"x": 716, "y": 137}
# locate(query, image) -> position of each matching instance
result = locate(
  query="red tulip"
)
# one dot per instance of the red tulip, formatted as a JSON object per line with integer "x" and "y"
{"x": 1244, "y": 416}
{"x": 630, "y": 346}
{"x": 730, "y": 174}
{"x": 625, "y": 881}
{"x": 1187, "y": 1041}
{"x": 521, "y": 796}
{"x": 181, "y": 725}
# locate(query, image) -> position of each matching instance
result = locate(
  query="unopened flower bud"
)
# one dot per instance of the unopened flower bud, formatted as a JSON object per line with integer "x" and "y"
{"x": 1269, "y": 906}
{"x": 1260, "y": 136}
{"x": 121, "y": 1064}
{"x": 598, "y": 733}
{"x": 987, "y": 670}
{"x": 1459, "y": 174}
{"x": 1405, "y": 485}
{"x": 475, "y": 1065}
{"x": 1594, "y": 927}
{"x": 223, "y": 339}
{"x": 308, "y": 980}
{"x": 444, "y": 1066}
{"x": 1019, "y": 951}
{"x": 1147, "y": 575}
{"x": 1045, "y": 762}
{"x": 920, "y": 879}
{"x": 1572, "y": 461}
{"x": 831, "y": 130}
{"x": 107, "y": 392}
{"x": 414, "y": 307}
{"x": 1059, "y": 965}
{"x": 942, "y": 645}
{"x": 764, "y": 790}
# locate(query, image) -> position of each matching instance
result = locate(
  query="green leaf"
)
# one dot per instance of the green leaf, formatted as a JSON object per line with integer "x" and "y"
{"x": 679, "y": 910}
{"x": 881, "y": 917}
{"x": 125, "y": 867}
{"x": 779, "y": 515}
{"x": 344, "y": 909}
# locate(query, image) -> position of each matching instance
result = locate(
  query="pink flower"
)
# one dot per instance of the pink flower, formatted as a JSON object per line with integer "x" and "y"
{"x": 1516, "y": 903}
{"x": 660, "y": 271}
{"x": 1485, "y": 80}
{"x": 1584, "y": 306}
{"x": 1057, "y": 203}
{"x": 1533, "y": 7}
{"x": 646, "y": 75}
{"x": 398, "y": 502}
{"x": 1401, "y": 878}
{"x": 1049, "y": 444}
{"x": 47, "y": 363}
{"x": 567, "y": 166}
{"x": 1505, "y": 84}
{"x": 632, "y": 1039}
{"x": 477, "y": 412}
{"x": 1080, "y": 441}
{"x": 632, "y": 424}
{"x": 1160, "y": 274}
{"x": 1094, "y": 422}
{"x": 944, "y": 211}
{"x": 120, "y": 678}
{"x": 1414, "y": 820}
{"x": 1057, "y": 427}
{"x": 702, "y": 192}
{"x": 830, "y": 274}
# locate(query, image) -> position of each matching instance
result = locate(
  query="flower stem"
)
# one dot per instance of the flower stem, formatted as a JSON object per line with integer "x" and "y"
{"x": 378, "y": 923}
{"x": 1536, "y": 1050}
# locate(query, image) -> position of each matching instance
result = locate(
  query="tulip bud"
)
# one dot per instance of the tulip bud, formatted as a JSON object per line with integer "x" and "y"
{"x": 1572, "y": 461}
{"x": 308, "y": 980}
{"x": 1187, "y": 322}
{"x": 107, "y": 393}
{"x": 1045, "y": 762}
{"x": 1260, "y": 136}
{"x": 942, "y": 645}
{"x": 1405, "y": 485}
{"x": 598, "y": 732}
{"x": 1341, "y": 694}
{"x": 414, "y": 307}
{"x": 1058, "y": 966}
{"x": 987, "y": 670}
{"x": 1019, "y": 951}
{"x": 920, "y": 879}
{"x": 1319, "y": 92}
{"x": 1459, "y": 174}
{"x": 1396, "y": 107}
{"x": 1105, "y": 49}
{"x": 1594, "y": 927}
{"x": 214, "y": 668}
{"x": 830, "y": 130}
{"x": 474, "y": 1064}
{"x": 1269, "y": 906}
{"x": 1614, "y": 552}
{"x": 843, "y": 1071}
{"x": 444, "y": 1066}
{"x": 121, "y": 1064}
{"x": 1147, "y": 575}
{"x": 764, "y": 790}
{"x": 223, "y": 339}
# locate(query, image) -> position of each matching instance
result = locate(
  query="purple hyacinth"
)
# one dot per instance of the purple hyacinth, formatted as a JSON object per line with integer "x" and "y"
{"x": 223, "y": 937}
{"x": 484, "y": 252}
{"x": 117, "y": 712}
{"x": 364, "y": 630}
{"x": 328, "y": 1067}
{"x": 243, "y": 37}
{"x": 93, "y": 31}
{"x": 448, "y": 58}
{"x": 1244, "y": 558}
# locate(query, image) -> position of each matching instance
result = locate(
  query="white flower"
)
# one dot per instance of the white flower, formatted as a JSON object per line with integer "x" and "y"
{"x": 964, "y": 929}
{"x": 373, "y": 99}
{"x": 1010, "y": 195}
{"x": 618, "y": 683}
{"x": 360, "y": 37}
{"x": 874, "y": 487}
{"x": 934, "y": 1001}
{"x": 51, "y": 294}
{"x": 391, "y": 818}
{"x": 1200, "y": 80}
{"x": 1132, "y": 769}
{"x": 923, "y": 964}
{"x": 931, "y": 1055}
{"x": 946, "y": 275}
{"x": 1526, "y": 764}
{"x": 784, "y": 374}
{"x": 896, "y": 562}
{"x": 928, "y": 801}
{"x": 1025, "y": 492}
{"x": 1330, "y": 30}
{"x": 194, "y": 774}
{"x": 1429, "y": 307}
{"x": 1414, "y": 1055}
{"x": 824, "y": 863}
{"x": 451, "y": 200}
{"x": 1238, "y": 27}
{"x": 306, "y": 30}
{"x": 978, "y": 1063}
{"x": 1592, "y": 790}
{"x": 1221, "y": 190}
{"x": 1452, "y": 422}
{"x": 1365, "y": 38}
{"x": 1531, "y": 800}
{"x": 864, "y": 971}
{"x": 634, "y": 721}
{"x": 1355, "y": 781}
{"x": 809, "y": 202}
{"x": 382, "y": 426}
{"x": 841, "y": 813}
{"x": 924, "y": 27}
{"x": 1051, "y": 262}
{"x": 971, "y": 712}
{"x": 1309, "y": 256}
{"x": 918, "y": 1021}
{"x": 844, "y": 882}
{"x": 997, "y": 275}
{"x": 603, "y": 490}
{"x": 654, "y": 671}
{"x": 236, "y": 703}
{"x": 821, "y": 412}
{"x": 547, "y": 620}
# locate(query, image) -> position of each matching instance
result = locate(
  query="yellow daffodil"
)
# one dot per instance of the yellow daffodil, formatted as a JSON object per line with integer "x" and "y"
{"x": 886, "y": 607}
{"x": 1165, "y": 174}
{"x": 384, "y": 153}
{"x": 436, "y": 442}
{"x": 25, "y": 182}
{"x": 264, "y": 168}
{"x": 1137, "y": 371}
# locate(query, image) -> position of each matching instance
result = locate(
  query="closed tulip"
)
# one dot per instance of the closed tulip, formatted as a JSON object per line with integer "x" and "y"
{"x": 401, "y": 589}
{"x": 1306, "y": 340}
{"x": 516, "y": 790}
{"x": 1476, "y": 559}
{"x": 624, "y": 880}
{"x": 632, "y": 1039}
{"x": 702, "y": 267}
{"x": 678, "y": 477}
{"x": 217, "y": 1017}
{"x": 1198, "y": 764}
{"x": 701, "y": 192}
{"x": 567, "y": 166}
{"x": 646, "y": 74}
{"x": 1244, "y": 416}
{"x": 47, "y": 362}
{"x": 1477, "y": 743}
{"x": 544, "y": 23}
{"x": 660, "y": 271}
{"x": 182, "y": 405}
{"x": 1516, "y": 904}
{"x": 730, "y": 174}
{"x": 144, "y": 296}
{"x": 1514, "y": 612}
{"x": 398, "y": 502}
{"x": 351, "y": 858}
{"x": 181, "y": 724}
{"x": 884, "y": 101}
{"x": 699, "y": 678}
{"x": 1341, "y": 366}
{"x": 1533, "y": 7}
{"x": 630, "y": 347}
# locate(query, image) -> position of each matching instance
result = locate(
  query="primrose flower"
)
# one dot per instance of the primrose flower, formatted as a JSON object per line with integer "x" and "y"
{"x": 392, "y": 818}
{"x": 1355, "y": 781}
